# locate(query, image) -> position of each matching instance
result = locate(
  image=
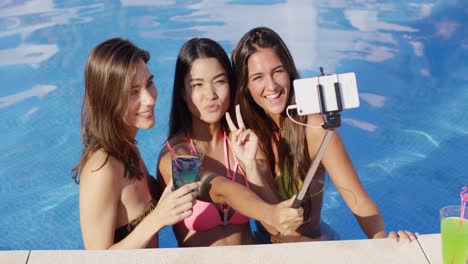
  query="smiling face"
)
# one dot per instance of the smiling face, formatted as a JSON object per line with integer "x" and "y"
{"x": 143, "y": 94}
{"x": 268, "y": 81}
{"x": 207, "y": 90}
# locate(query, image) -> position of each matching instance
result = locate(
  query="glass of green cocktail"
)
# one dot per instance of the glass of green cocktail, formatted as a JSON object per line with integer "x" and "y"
{"x": 454, "y": 234}
{"x": 186, "y": 162}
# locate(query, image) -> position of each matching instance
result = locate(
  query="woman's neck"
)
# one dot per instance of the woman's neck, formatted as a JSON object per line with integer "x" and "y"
{"x": 277, "y": 120}
{"x": 133, "y": 131}
{"x": 207, "y": 134}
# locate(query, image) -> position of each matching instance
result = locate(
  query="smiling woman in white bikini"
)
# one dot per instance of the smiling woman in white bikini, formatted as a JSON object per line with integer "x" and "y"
{"x": 121, "y": 206}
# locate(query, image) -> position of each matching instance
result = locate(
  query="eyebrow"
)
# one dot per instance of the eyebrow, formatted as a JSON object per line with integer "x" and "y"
{"x": 149, "y": 79}
{"x": 215, "y": 77}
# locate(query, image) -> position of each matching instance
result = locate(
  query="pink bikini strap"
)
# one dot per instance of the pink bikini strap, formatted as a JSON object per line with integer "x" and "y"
{"x": 226, "y": 156}
{"x": 193, "y": 146}
{"x": 222, "y": 207}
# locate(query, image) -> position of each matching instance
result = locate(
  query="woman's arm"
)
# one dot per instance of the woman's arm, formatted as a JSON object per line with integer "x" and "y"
{"x": 218, "y": 189}
{"x": 244, "y": 145}
{"x": 280, "y": 216}
{"x": 341, "y": 170}
{"x": 100, "y": 192}
{"x": 259, "y": 175}
{"x": 343, "y": 174}
{"x": 99, "y": 198}
{"x": 173, "y": 206}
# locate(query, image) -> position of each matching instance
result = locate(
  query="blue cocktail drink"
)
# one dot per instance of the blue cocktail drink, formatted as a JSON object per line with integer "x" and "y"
{"x": 186, "y": 163}
{"x": 185, "y": 170}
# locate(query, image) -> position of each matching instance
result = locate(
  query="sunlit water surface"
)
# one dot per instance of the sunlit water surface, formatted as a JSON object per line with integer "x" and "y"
{"x": 407, "y": 139}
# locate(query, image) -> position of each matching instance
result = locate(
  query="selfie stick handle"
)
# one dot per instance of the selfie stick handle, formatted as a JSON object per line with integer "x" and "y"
{"x": 312, "y": 169}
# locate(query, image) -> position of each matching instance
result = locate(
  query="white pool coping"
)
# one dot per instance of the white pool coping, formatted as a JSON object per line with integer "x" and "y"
{"x": 343, "y": 251}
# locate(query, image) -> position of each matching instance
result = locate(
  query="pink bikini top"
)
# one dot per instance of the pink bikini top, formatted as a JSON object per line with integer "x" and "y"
{"x": 205, "y": 215}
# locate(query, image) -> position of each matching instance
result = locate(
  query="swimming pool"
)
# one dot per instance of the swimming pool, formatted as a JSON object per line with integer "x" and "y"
{"x": 407, "y": 140}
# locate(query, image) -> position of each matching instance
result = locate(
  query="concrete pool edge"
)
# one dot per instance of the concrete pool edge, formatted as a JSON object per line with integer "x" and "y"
{"x": 343, "y": 251}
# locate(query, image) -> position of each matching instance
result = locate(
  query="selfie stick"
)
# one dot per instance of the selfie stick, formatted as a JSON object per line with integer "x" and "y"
{"x": 331, "y": 121}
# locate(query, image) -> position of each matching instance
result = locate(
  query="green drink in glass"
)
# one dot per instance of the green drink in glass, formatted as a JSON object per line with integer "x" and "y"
{"x": 454, "y": 234}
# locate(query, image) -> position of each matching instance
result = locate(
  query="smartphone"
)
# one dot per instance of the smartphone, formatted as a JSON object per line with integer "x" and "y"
{"x": 308, "y": 98}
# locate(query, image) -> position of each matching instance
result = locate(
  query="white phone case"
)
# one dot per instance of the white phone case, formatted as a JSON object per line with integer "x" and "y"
{"x": 307, "y": 95}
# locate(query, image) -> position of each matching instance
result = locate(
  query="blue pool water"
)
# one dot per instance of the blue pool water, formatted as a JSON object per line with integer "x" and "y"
{"x": 407, "y": 139}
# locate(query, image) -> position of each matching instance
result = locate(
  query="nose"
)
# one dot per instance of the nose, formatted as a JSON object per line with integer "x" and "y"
{"x": 148, "y": 96}
{"x": 270, "y": 83}
{"x": 211, "y": 92}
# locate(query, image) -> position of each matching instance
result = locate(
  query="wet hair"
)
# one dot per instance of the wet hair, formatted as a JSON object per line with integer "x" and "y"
{"x": 293, "y": 153}
{"x": 180, "y": 121}
{"x": 109, "y": 72}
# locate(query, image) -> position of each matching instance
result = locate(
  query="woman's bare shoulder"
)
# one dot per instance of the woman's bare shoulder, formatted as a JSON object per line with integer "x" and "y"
{"x": 314, "y": 132}
{"x": 164, "y": 152}
{"x": 315, "y": 120}
{"x": 102, "y": 169}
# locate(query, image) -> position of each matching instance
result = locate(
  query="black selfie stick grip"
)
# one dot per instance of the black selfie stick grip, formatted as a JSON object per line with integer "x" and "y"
{"x": 297, "y": 203}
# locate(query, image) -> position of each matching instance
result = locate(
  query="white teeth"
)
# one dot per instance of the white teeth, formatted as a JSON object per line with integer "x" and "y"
{"x": 272, "y": 96}
{"x": 145, "y": 114}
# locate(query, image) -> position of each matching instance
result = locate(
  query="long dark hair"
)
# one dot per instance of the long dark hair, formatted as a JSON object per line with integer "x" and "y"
{"x": 293, "y": 153}
{"x": 180, "y": 122}
{"x": 109, "y": 73}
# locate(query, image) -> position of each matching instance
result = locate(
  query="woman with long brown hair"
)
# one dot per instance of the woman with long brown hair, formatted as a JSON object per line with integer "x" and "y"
{"x": 265, "y": 72}
{"x": 121, "y": 205}
{"x": 203, "y": 88}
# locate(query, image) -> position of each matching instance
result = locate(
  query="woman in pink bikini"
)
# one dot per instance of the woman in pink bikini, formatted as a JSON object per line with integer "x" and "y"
{"x": 232, "y": 168}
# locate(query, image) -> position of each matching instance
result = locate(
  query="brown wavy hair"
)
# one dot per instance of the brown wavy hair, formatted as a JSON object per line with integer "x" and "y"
{"x": 109, "y": 72}
{"x": 293, "y": 152}
{"x": 180, "y": 121}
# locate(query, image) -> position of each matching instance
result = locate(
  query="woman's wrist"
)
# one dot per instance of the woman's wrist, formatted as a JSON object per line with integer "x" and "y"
{"x": 269, "y": 215}
{"x": 253, "y": 174}
{"x": 248, "y": 165}
{"x": 154, "y": 222}
{"x": 380, "y": 234}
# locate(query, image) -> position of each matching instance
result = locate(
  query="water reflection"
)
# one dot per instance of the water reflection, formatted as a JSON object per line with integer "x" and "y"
{"x": 147, "y": 3}
{"x": 24, "y": 18}
{"x": 27, "y": 54}
{"x": 37, "y": 91}
{"x": 409, "y": 58}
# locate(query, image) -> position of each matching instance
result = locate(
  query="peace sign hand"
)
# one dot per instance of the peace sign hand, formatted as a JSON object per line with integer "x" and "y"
{"x": 244, "y": 142}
